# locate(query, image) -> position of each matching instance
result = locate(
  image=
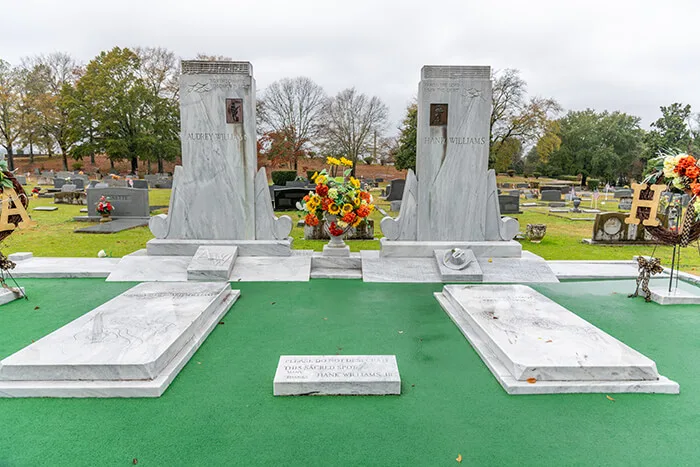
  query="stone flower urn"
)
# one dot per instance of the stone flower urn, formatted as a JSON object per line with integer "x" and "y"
{"x": 335, "y": 232}
{"x": 105, "y": 217}
{"x": 536, "y": 232}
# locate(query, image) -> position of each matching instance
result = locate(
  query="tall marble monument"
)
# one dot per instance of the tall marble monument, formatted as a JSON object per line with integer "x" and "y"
{"x": 217, "y": 197}
{"x": 453, "y": 200}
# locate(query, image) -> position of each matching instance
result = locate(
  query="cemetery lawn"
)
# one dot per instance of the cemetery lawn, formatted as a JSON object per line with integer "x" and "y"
{"x": 53, "y": 235}
{"x": 220, "y": 409}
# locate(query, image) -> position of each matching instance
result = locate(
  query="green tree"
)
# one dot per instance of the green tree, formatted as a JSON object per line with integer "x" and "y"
{"x": 515, "y": 116}
{"x": 671, "y": 131}
{"x": 115, "y": 112}
{"x": 405, "y": 156}
{"x": 10, "y": 110}
{"x": 603, "y": 145}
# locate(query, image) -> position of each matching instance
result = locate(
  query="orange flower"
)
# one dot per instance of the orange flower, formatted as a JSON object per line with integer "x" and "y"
{"x": 306, "y": 198}
{"x": 311, "y": 220}
{"x": 325, "y": 204}
{"x": 695, "y": 187}
{"x": 365, "y": 195}
{"x": 684, "y": 163}
{"x": 692, "y": 172}
{"x": 363, "y": 211}
{"x": 349, "y": 217}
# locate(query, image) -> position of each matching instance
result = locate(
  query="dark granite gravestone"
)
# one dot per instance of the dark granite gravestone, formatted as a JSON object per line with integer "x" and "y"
{"x": 610, "y": 227}
{"x": 286, "y": 198}
{"x": 395, "y": 190}
{"x": 550, "y": 195}
{"x": 295, "y": 184}
{"x": 522, "y": 185}
{"x": 21, "y": 179}
{"x": 509, "y": 204}
{"x": 623, "y": 193}
{"x": 141, "y": 184}
{"x": 159, "y": 181}
{"x": 514, "y": 192}
{"x": 127, "y": 202}
{"x": 625, "y": 203}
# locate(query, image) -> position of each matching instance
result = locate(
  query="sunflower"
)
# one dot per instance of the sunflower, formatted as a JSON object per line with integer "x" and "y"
{"x": 333, "y": 209}
{"x": 354, "y": 182}
{"x": 347, "y": 207}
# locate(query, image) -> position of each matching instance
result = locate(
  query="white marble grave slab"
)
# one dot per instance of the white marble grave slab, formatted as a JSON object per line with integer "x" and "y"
{"x": 337, "y": 375}
{"x": 7, "y": 295}
{"x": 677, "y": 296}
{"x": 534, "y": 346}
{"x": 46, "y": 208}
{"x": 583, "y": 270}
{"x": 20, "y": 256}
{"x": 212, "y": 263}
{"x": 48, "y": 267}
{"x": 132, "y": 346}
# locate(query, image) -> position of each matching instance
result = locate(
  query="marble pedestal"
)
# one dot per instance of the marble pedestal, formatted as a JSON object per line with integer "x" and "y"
{"x": 425, "y": 249}
{"x": 343, "y": 251}
{"x": 535, "y": 346}
{"x": 212, "y": 263}
{"x": 168, "y": 247}
{"x": 470, "y": 273}
{"x": 132, "y": 346}
{"x": 662, "y": 296}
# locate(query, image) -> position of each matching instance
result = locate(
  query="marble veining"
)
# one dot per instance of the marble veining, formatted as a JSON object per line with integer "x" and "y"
{"x": 131, "y": 337}
{"x": 405, "y": 226}
{"x": 122, "y": 388}
{"x": 212, "y": 263}
{"x": 267, "y": 226}
{"x": 534, "y": 337}
{"x": 49, "y": 267}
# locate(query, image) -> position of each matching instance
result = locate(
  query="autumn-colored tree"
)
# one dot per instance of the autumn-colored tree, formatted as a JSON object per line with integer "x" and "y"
{"x": 279, "y": 148}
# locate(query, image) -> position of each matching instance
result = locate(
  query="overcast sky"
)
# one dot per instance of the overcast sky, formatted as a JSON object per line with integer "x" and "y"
{"x": 632, "y": 56}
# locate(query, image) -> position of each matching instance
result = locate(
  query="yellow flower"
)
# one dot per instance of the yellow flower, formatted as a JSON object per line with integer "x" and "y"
{"x": 347, "y": 208}
{"x": 333, "y": 209}
{"x": 346, "y": 162}
{"x": 332, "y": 161}
{"x": 313, "y": 177}
{"x": 354, "y": 182}
{"x": 320, "y": 179}
{"x": 342, "y": 224}
{"x": 357, "y": 201}
{"x": 315, "y": 198}
{"x": 357, "y": 221}
{"x": 312, "y": 205}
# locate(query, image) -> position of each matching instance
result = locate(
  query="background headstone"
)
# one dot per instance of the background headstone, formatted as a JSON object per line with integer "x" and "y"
{"x": 127, "y": 202}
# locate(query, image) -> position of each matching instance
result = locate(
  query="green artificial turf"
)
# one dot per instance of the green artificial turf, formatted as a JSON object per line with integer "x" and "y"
{"x": 220, "y": 409}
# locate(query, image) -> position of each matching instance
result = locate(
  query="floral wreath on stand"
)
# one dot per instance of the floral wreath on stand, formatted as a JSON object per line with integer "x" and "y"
{"x": 337, "y": 200}
{"x": 8, "y": 180}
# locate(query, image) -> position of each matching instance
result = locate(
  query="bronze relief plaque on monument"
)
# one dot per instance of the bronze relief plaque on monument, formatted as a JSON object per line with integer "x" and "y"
{"x": 234, "y": 110}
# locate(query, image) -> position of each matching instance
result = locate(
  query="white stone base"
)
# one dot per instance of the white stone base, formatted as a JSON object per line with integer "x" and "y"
{"x": 7, "y": 295}
{"x": 662, "y": 296}
{"x": 166, "y": 247}
{"x": 340, "y": 375}
{"x": 212, "y": 263}
{"x": 45, "y": 267}
{"x": 88, "y": 372}
{"x": 336, "y": 251}
{"x": 20, "y": 256}
{"x": 471, "y": 273}
{"x": 411, "y": 249}
{"x": 522, "y": 336}
{"x": 143, "y": 268}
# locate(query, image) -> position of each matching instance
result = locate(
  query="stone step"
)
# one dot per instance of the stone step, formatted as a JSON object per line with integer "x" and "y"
{"x": 354, "y": 261}
{"x": 335, "y": 273}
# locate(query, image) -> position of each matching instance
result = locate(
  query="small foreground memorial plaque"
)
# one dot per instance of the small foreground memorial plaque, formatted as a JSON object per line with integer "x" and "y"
{"x": 325, "y": 375}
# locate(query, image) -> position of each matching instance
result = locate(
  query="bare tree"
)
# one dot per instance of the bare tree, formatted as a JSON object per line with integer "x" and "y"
{"x": 48, "y": 79}
{"x": 350, "y": 122}
{"x": 10, "y": 110}
{"x": 159, "y": 71}
{"x": 514, "y": 116}
{"x": 293, "y": 108}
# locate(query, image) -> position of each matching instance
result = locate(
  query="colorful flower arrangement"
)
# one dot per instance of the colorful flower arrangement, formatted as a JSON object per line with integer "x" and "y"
{"x": 680, "y": 172}
{"x": 104, "y": 207}
{"x": 338, "y": 199}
